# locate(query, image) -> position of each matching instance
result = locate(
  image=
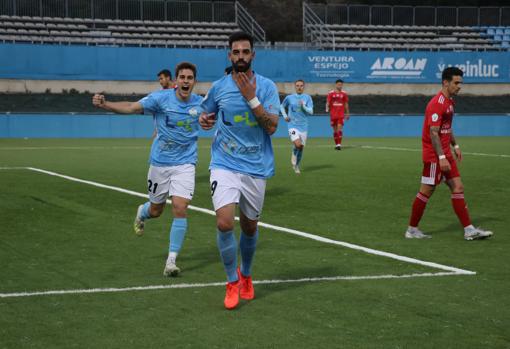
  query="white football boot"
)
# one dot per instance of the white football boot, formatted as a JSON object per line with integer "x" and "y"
{"x": 415, "y": 233}
{"x": 477, "y": 234}
{"x": 139, "y": 225}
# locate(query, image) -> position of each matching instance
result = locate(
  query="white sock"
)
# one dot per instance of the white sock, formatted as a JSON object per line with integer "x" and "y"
{"x": 468, "y": 228}
{"x": 172, "y": 256}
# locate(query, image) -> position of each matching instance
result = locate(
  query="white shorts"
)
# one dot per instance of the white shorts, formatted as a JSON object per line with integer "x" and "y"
{"x": 294, "y": 135}
{"x": 229, "y": 187}
{"x": 170, "y": 181}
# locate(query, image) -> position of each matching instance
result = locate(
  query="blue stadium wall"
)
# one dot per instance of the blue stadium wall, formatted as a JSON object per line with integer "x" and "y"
{"x": 139, "y": 126}
{"x": 57, "y": 62}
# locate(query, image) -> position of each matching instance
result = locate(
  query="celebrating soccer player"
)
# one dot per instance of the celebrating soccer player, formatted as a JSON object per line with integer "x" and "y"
{"x": 337, "y": 104}
{"x": 438, "y": 161}
{"x": 300, "y": 106}
{"x": 246, "y": 107}
{"x": 173, "y": 154}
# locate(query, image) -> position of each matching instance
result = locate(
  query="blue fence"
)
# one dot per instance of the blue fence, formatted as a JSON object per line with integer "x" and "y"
{"x": 56, "y": 62}
{"x": 139, "y": 126}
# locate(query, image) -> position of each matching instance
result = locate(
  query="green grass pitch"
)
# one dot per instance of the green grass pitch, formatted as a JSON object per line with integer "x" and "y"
{"x": 59, "y": 234}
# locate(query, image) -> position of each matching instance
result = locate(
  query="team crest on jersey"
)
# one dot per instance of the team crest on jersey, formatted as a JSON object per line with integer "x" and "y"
{"x": 435, "y": 117}
{"x": 193, "y": 112}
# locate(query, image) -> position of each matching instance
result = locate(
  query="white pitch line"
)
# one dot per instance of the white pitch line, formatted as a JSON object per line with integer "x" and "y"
{"x": 419, "y": 150}
{"x": 218, "y": 284}
{"x": 277, "y": 228}
{"x": 274, "y": 146}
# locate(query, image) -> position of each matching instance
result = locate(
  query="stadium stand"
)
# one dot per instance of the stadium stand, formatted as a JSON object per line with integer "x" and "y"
{"x": 127, "y": 32}
{"x": 433, "y": 34}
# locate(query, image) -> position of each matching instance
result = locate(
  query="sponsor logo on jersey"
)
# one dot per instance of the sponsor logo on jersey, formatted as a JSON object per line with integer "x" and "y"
{"x": 398, "y": 67}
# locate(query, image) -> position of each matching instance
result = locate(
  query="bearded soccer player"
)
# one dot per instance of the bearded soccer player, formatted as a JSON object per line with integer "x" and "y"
{"x": 173, "y": 154}
{"x": 438, "y": 162}
{"x": 337, "y": 105}
{"x": 246, "y": 106}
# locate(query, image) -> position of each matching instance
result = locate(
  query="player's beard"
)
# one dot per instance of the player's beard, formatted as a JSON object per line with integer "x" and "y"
{"x": 241, "y": 68}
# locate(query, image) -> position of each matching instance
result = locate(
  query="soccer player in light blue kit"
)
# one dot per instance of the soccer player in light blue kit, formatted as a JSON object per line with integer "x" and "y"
{"x": 300, "y": 106}
{"x": 245, "y": 106}
{"x": 173, "y": 153}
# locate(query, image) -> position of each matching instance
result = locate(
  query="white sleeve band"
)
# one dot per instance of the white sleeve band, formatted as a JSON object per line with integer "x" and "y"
{"x": 441, "y": 157}
{"x": 254, "y": 102}
{"x": 456, "y": 146}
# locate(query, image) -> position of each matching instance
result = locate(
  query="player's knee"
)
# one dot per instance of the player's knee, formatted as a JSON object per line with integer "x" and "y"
{"x": 458, "y": 188}
{"x": 156, "y": 211}
{"x": 224, "y": 224}
{"x": 179, "y": 211}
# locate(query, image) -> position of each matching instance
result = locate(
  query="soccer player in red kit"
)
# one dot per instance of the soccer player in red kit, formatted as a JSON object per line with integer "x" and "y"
{"x": 438, "y": 162}
{"x": 337, "y": 105}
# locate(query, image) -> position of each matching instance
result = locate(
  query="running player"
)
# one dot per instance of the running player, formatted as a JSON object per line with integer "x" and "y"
{"x": 300, "y": 106}
{"x": 173, "y": 154}
{"x": 337, "y": 104}
{"x": 438, "y": 161}
{"x": 246, "y": 107}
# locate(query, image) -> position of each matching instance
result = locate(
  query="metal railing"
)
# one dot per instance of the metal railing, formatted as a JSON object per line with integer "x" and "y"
{"x": 163, "y": 10}
{"x": 314, "y": 30}
{"x": 411, "y": 15}
{"x": 247, "y": 23}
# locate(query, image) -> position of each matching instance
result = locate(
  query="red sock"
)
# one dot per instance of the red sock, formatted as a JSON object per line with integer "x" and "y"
{"x": 337, "y": 137}
{"x": 418, "y": 208}
{"x": 340, "y": 134}
{"x": 460, "y": 208}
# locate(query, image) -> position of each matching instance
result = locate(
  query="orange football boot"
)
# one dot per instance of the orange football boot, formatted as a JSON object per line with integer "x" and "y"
{"x": 247, "y": 291}
{"x": 232, "y": 295}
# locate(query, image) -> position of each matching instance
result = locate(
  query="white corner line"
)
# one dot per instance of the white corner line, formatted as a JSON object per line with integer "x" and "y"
{"x": 277, "y": 228}
{"x": 222, "y": 284}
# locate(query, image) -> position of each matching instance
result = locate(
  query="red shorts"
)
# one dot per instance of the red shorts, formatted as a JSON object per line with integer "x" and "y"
{"x": 337, "y": 121}
{"x": 432, "y": 174}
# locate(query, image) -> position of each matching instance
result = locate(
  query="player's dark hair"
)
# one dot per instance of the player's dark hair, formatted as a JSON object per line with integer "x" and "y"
{"x": 185, "y": 65}
{"x": 240, "y": 36}
{"x": 303, "y": 81}
{"x": 339, "y": 80}
{"x": 228, "y": 70}
{"x": 166, "y": 73}
{"x": 450, "y": 72}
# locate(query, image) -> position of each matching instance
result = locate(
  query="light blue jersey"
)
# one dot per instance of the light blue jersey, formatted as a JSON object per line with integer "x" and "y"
{"x": 298, "y": 112}
{"x": 240, "y": 144}
{"x": 177, "y": 127}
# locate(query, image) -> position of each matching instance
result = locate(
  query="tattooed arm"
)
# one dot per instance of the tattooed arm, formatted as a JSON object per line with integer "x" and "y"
{"x": 266, "y": 120}
{"x": 444, "y": 164}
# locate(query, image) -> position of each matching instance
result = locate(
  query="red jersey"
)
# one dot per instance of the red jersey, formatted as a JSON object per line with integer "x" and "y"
{"x": 336, "y": 102}
{"x": 439, "y": 112}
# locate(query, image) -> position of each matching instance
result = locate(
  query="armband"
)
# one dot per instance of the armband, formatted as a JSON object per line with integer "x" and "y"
{"x": 441, "y": 157}
{"x": 254, "y": 102}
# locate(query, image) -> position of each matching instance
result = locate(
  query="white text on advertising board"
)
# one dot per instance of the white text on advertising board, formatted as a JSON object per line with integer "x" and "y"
{"x": 391, "y": 67}
{"x": 473, "y": 70}
{"x": 331, "y": 66}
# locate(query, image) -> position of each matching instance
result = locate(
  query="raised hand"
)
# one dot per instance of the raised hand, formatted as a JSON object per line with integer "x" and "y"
{"x": 98, "y": 100}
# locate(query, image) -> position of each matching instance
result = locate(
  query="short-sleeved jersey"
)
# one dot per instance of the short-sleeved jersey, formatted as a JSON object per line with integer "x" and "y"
{"x": 297, "y": 114}
{"x": 439, "y": 112}
{"x": 240, "y": 144}
{"x": 177, "y": 127}
{"x": 336, "y": 101}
